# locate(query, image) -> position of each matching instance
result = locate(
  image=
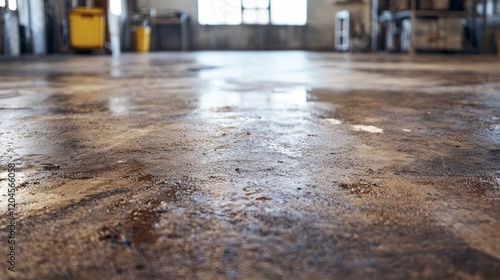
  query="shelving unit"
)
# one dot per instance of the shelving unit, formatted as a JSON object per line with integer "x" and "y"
{"x": 177, "y": 18}
{"x": 422, "y": 30}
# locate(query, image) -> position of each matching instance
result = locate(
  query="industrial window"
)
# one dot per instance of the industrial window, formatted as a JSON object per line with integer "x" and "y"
{"x": 234, "y": 12}
{"x": 255, "y": 11}
{"x": 12, "y": 4}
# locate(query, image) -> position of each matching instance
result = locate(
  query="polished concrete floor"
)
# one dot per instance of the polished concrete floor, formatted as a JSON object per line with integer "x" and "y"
{"x": 252, "y": 165}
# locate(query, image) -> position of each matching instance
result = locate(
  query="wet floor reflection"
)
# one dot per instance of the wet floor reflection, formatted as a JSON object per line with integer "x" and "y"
{"x": 120, "y": 106}
{"x": 288, "y": 67}
{"x": 224, "y": 94}
{"x": 367, "y": 128}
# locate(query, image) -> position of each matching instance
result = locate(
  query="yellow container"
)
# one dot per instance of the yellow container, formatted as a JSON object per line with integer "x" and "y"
{"x": 142, "y": 39}
{"x": 86, "y": 28}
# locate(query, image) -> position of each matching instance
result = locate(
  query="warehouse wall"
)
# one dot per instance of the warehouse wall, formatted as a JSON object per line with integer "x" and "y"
{"x": 318, "y": 34}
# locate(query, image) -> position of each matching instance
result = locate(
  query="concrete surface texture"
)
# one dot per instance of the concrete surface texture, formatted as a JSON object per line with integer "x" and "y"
{"x": 248, "y": 165}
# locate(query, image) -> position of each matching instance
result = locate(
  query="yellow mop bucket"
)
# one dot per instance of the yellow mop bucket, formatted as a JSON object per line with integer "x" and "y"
{"x": 142, "y": 38}
{"x": 86, "y": 28}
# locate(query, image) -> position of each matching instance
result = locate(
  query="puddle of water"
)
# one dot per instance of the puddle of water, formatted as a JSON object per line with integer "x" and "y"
{"x": 277, "y": 99}
{"x": 247, "y": 67}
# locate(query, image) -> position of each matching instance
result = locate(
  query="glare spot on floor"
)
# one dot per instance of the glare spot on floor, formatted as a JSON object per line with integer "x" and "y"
{"x": 367, "y": 128}
{"x": 333, "y": 121}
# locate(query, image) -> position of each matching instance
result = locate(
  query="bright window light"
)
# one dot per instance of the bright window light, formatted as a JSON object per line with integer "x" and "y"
{"x": 289, "y": 12}
{"x": 233, "y": 12}
{"x": 249, "y": 4}
{"x": 2, "y": 3}
{"x": 216, "y": 12}
{"x": 256, "y": 16}
{"x": 12, "y": 5}
{"x": 115, "y": 6}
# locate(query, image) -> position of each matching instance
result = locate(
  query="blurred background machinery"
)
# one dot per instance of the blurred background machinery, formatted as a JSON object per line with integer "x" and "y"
{"x": 406, "y": 26}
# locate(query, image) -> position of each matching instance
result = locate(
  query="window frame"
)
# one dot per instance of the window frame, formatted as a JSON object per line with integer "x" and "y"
{"x": 269, "y": 10}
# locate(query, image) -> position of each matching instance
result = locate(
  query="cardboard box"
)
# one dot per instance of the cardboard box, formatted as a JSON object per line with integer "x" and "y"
{"x": 438, "y": 34}
{"x": 425, "y": 35}
{"x": 450, "y": 33}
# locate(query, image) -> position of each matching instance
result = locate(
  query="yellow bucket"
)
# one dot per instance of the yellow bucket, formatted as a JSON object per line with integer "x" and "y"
{"x": 86, "y": 28}
{"x": 142, "y": 39}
